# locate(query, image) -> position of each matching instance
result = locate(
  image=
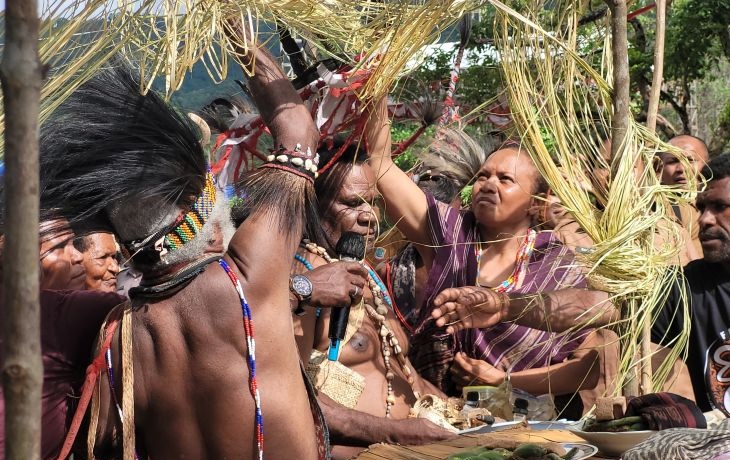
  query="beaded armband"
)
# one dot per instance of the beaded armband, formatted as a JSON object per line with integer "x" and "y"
{"x": 300, "y": 162}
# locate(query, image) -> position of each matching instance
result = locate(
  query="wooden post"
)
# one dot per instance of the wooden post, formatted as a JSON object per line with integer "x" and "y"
{"x": 22, "y": 368}
{"x": 621, "y": 99}
{"x": 646, "y": 380}
{"x": 621, "y": 116}
{"x": 656, "y": 81}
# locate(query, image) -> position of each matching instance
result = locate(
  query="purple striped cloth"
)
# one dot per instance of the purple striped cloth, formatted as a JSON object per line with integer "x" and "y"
{"x": 507, "y": 346}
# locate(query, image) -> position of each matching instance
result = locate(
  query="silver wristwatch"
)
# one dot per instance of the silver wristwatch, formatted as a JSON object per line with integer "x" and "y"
{"x": 301, "y": 287}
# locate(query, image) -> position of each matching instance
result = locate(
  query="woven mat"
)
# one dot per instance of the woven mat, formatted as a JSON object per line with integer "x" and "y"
{"x": 508, "y": 439}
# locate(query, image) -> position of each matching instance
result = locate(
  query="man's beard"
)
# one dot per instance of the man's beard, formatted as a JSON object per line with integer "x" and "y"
{"x": 720, "y": 253}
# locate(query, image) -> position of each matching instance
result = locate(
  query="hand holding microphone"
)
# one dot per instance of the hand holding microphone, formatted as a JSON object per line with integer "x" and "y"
{"x": 351, "y": 248}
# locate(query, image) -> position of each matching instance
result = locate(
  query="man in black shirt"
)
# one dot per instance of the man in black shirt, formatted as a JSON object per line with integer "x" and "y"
{"x": 708, "y": 293}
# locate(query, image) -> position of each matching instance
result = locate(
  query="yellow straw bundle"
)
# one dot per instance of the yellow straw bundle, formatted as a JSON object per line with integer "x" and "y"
{"x": 561, "y": 107}
{"x": 167, "y": 37}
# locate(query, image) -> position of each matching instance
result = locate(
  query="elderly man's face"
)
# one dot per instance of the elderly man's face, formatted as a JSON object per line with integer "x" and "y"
{"x": 672, "y": 170}
{"x": 352, "y": 209}
{"x": 714, "y": 207}
{"x": 100, "y": 262}
{"x": 61, "y": 263}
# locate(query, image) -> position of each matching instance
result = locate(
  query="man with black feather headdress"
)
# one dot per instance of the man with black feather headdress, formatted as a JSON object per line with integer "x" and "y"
{"x": 202, "y": 388}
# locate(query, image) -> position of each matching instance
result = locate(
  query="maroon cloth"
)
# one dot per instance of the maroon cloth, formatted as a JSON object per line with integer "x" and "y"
{"x": 70, "y": 321}
{"x": 661, "y": 411}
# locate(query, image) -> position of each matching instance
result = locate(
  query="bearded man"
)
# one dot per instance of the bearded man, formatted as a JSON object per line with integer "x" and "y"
{"x": 214, "y": 367}
{"x": 708, "y": 288}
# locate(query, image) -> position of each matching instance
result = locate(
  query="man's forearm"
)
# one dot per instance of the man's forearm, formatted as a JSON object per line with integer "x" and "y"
{"x": 562, "y": 310}
{"x": 349, "y": 427}
{"x": 279, "y": 104}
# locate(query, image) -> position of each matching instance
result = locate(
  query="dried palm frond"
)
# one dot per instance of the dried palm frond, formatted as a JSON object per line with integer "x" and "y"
{"x": 561, "y": 107}
{"x": 167, "y": 37}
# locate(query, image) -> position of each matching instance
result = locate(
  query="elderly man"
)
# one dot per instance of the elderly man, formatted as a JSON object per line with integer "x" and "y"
{"x": 377, "y": 386}
{"x": 70, "y": 319}
{"x": 672, "y": 172}
{"x": 101, "y": 253}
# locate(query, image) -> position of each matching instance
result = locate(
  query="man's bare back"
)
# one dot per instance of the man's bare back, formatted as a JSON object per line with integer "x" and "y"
{"x": 192, "y": 398}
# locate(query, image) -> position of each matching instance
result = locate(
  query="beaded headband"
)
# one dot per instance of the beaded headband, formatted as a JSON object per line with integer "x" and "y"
{"x": 299, "y": 162}
{"x": 191, "y": 223}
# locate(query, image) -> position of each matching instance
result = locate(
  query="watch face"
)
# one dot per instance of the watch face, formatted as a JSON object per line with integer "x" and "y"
{"x": 301, "y": 285}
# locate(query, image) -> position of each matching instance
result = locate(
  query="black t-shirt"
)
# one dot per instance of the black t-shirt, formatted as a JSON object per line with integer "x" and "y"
{"x": 708, "y": 291}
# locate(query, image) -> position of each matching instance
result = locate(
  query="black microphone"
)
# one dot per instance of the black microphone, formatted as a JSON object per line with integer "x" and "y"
{"x": 351, "y": 247}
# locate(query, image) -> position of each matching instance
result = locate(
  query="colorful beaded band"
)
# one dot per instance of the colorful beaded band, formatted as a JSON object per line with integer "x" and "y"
{"x": 302, "y": 163}
{"x": 253, "y": 385}
{"x": 191, "y": 223}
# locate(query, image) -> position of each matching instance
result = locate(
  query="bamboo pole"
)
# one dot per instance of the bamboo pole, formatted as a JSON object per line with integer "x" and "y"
{"x": 22, "y": 368}
{"x": 646, "y": 380}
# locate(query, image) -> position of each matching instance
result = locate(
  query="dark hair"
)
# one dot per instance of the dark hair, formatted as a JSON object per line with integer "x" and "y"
{"x": 717, "y": 168}
{"x": 452, "y": 159}
{"x": 82, "y": 243}
{"x": 440, "y": 185}
{"x": 107, "y": 144}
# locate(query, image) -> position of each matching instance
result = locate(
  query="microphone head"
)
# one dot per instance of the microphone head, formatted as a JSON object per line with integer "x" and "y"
{"x": 351, "y": 245}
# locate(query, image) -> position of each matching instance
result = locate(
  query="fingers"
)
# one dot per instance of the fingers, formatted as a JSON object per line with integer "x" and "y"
{"x": 356, "y": 268}
{"x": 454, "y": 316}
{"x": 464, "y": 370}
{"x": 447, "y": 295}
{"x": 356, "y": 293}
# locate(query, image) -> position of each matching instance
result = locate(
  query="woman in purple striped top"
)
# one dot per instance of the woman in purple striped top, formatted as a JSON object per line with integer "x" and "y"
{"x": 494, "y": 244}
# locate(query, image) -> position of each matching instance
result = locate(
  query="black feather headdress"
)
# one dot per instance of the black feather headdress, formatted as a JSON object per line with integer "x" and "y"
{"x": 108, "y": 149}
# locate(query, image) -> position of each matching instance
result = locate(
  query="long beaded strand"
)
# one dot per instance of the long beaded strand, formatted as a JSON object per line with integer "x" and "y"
{"x": 251, "y": 356}
{"x": 389, "y": 343}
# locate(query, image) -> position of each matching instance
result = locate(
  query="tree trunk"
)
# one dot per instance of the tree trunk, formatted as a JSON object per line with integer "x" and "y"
{"x": 646, "y": 380}
{"x": 22, "y": 368}
{"x": 656, "y": 82}
{"x": 621, "y": 99}
{"x": 621, "y": 110}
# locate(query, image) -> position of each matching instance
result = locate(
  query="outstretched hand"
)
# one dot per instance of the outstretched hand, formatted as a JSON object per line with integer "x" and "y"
{"x": 469, "y": 307}
{"x": 467, "y": 371}
{"x": 337, "y": 284}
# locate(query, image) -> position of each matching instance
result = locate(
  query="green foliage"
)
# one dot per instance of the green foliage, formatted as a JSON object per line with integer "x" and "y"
{"x": 466, "y": 195}
{"x": 400, "y": 132}
{"x": 695, "y": 30}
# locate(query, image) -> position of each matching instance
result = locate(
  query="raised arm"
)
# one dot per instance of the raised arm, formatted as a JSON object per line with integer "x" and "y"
{"x": 405, "y": 203}
{"x": 557, "y": 311}
{"x": 265, "y": 243}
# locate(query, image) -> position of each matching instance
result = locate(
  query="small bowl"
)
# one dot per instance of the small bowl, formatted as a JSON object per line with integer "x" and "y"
{"x": 614, "y": 444}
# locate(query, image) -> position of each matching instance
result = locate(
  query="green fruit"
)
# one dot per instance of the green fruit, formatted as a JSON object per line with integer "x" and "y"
{"x": 527, "y": 451}
{"x": 460, "y": 456}
{"x": 492, "y": 455}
